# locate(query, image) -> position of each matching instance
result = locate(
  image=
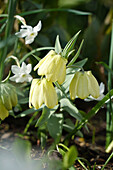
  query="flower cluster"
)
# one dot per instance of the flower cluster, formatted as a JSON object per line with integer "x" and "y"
{"x": 53, "y": 67}
{"x": 8, "y": 99}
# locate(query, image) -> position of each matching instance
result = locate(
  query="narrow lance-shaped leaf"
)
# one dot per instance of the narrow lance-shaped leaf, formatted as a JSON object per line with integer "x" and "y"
{"x": 69, "y": 46}
{"x": 58, "y": 48}
{"x": 76, "y": 55}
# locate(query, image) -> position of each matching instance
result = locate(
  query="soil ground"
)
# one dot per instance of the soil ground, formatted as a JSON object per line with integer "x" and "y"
{"x": 91, "y": 146}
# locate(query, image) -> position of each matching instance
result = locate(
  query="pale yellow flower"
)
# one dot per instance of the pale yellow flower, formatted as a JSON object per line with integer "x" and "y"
{"x": 53, "y": 66}
{"x": 42, "y": 92}
{"x": 84, "y": 84}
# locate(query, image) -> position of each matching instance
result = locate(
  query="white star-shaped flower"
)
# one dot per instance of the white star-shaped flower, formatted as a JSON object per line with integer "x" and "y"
{"x": 28, "y": 31}
{"x": 21, "y": 73}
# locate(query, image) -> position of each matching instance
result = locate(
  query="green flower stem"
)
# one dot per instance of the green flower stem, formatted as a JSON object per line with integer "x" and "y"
{"x": 30, "y": 121}
{"x": 6, "y": 77}
{"x": 107, "y": 161}
{"x": 82, "y": 164}
{"x": 34, "y": 51}
{"x": 59, "y": 87}
{"x": 109, "y": 113}
{"x": 54, "y": 10}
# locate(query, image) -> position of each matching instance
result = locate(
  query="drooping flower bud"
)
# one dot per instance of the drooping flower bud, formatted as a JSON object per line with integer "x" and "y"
{"x": 84, "y": 84}
{"x": 3, "y": 111}
{"x": 42, "y": 91}
{"x": 8, "y": 99}
{"x": 53, "y": 66}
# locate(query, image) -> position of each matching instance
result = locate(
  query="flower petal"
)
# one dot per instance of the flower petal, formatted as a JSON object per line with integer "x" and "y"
{"x": 15, "y": 69}
{"x": 102, "y": 88}
{"x": 14, "y": 78}
{"x": 23, "y": 33}
{"x": 73, "y": 86}
{"x": 82, "y": 87}
{"x": 37, "y": 96}
{"x": 50, "y": 54}
{"x": 93, "y": 85}
{"x": 38, "y": 27}
{"x": 49, "y": 93}
{"x": 21, "y": 19}
{"x": 34, "y": 82}
{"x": 29, "y": 39}
{"x": 28, "y": 68}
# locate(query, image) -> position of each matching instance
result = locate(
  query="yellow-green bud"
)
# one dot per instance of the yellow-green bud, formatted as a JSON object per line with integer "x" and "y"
{"x": 3, "y": 111}
{"x": 8, "y": 99}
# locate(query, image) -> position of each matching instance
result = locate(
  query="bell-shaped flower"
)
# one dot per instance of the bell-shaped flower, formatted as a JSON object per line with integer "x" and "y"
{"x": 8, "y": 99}
{"x": 21, "y": 73}
{"x": 42, "y": 92}
{"x": 84, "y": 84}
{"x": 53, "y": 66}
{"x": 28, "y": 31}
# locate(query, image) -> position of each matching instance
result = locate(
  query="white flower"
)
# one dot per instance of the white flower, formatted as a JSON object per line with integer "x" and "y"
{"x": 102, "y": 89}
{"x": 28, "y": 31}
{"x": 21, "y": 73}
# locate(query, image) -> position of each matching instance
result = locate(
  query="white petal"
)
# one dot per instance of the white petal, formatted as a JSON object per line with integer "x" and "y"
{"x": 21, "y": 19}
{"x": 23, "y": 67}
{"x": 38, "y": 27}
{"x": 28, "y": 27}
{"x": 29, "y": 39}
{"x": 15, "y": 69}
{"x": 29, "y": 78}
{"x": 102, "y": 88}
{"x": 28, "y": 68}
{"x": 14, "y": 78}
{"x": 22, "y": 33}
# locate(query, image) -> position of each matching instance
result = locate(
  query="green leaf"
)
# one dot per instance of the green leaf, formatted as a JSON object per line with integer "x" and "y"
{"x": 68, "y": 106}
{"x": 54, "y": 10}
{"x": 70, "y": 157}
{"x": 58, "y": 48}
{"x": 8, "y": 41}
{"x": 76, "y": 55}
{"x": 43, "y": 138}
{"x": 68, "y": 126}
{"x": 69, "y": 46}
{"x": 23, "y": 101}
{"x": 55, "y": 124}
{"x": 61, "y": 148}
{"x": 26, "y": 112}
{"x": 106, "y": 67}
{"x": 46, "y": 113}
